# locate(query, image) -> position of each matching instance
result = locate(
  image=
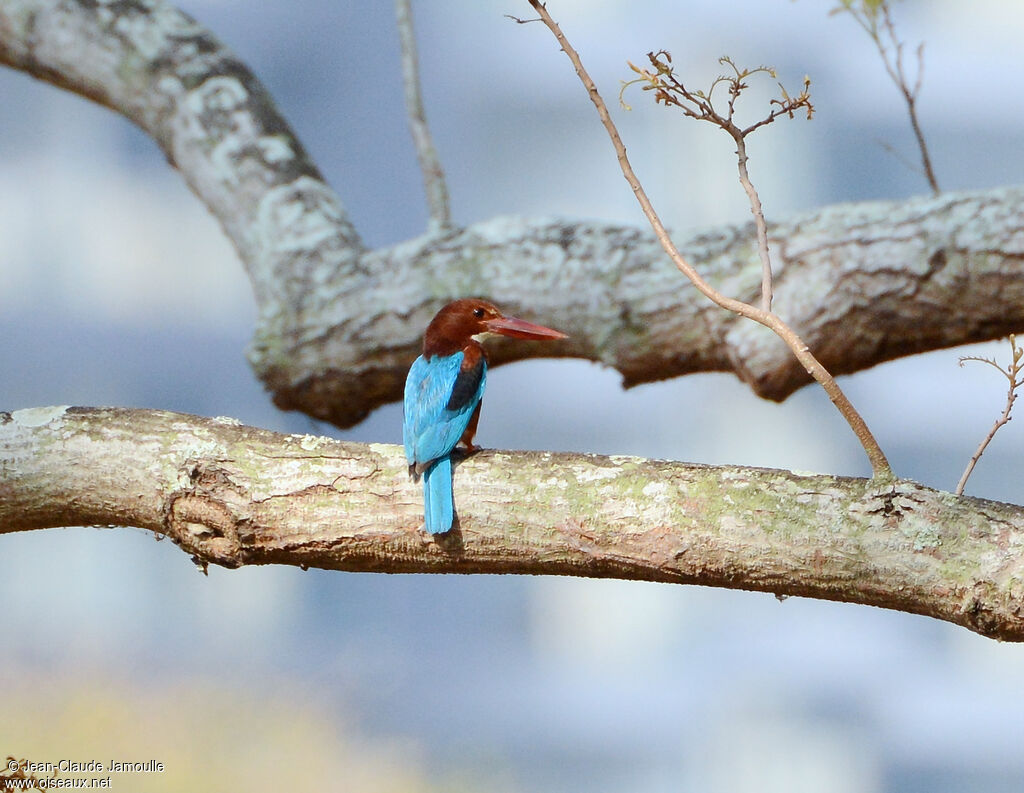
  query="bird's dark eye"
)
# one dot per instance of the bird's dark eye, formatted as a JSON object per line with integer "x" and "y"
{"x": 478, "y": 313}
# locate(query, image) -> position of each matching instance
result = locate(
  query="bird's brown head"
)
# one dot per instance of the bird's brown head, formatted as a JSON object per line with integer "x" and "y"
{"x": 459, "y": 322}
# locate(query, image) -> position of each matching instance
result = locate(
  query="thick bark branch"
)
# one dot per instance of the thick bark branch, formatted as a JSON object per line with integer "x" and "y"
{"x": 234, "y": 495}
{"x": 339, "y": 325}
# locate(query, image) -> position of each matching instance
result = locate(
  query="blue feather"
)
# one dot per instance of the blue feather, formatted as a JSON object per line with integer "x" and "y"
{"x": 431, "y": 430}
{"x": 438, "y": 501}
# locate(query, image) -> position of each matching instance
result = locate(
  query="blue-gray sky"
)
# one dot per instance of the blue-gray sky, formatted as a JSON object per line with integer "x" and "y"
{"x": 116, "y": 287}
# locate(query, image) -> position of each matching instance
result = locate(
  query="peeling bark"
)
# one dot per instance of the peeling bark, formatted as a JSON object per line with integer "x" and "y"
{"x": 339, "y": 324}
{"x": 233, "y": 495}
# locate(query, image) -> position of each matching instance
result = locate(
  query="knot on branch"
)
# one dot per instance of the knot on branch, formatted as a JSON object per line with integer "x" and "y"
{"x": 207, "y": 529}
{"x": 206, "y": 519}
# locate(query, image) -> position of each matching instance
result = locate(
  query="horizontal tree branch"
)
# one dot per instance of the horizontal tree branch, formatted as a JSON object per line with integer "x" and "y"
{"x": 234, "y": 495}
{"x": 339, "y": 324}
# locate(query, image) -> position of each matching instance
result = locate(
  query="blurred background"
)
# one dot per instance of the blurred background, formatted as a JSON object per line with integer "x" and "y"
{"x": 118, "y": 288}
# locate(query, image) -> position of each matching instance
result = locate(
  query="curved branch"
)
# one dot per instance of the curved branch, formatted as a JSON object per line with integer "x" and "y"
{"x": 233, "y": 495}
{"x": 339, "y": 324}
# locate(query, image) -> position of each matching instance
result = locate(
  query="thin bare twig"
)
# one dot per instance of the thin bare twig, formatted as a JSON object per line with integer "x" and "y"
{"x": 520, "y": 21}
{"x": 875, "y": 18}
{"x": 759, "y": 224}
{"x": 1014, "y": 373}
{"x": 700, "y": 105}
{"x": 430, "y": 164}
{"x": 879, "y": 464}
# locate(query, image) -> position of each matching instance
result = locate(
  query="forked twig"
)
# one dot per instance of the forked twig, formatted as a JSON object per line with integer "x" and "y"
{"x": 875, "y": 18}
{"x": 1014, "y": 373}
{"x": 879, "y": 464}
{"x": 700, "y": 105}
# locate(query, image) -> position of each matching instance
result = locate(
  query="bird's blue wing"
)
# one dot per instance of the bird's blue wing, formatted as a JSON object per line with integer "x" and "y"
{"x": 434, "y": 418}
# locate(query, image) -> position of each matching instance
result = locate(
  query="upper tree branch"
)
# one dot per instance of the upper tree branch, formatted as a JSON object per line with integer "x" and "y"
{"x": 426, "y": 153}
{"x": 235, "y": 495}
{"x": 340, "y": 324}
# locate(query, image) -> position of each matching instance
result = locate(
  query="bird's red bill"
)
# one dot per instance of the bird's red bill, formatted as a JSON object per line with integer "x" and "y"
{"x": 521, "y": 329}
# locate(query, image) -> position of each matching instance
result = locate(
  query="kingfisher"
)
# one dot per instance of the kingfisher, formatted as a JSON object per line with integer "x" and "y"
{"x": 443, "y": 394}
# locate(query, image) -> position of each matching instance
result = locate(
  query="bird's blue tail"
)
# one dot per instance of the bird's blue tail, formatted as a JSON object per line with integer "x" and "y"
{"x": 438, "y": 507}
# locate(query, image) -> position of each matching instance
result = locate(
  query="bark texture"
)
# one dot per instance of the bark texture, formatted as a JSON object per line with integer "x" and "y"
{"x": 339, "y": 324}
{"x": 233, "y": 495}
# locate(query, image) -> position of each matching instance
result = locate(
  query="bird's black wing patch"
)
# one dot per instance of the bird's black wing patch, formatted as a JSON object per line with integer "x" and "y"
{"x": 466, "y": 385}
